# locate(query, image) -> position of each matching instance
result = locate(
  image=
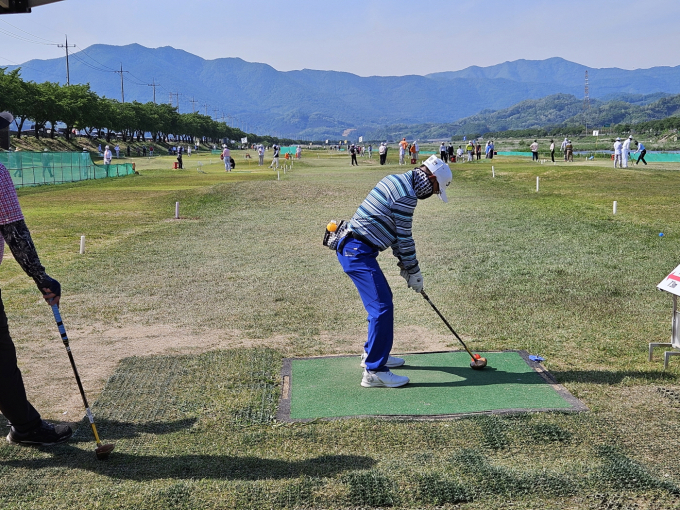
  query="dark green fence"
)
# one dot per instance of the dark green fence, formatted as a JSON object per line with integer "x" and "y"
{"x": 35, "y": 168}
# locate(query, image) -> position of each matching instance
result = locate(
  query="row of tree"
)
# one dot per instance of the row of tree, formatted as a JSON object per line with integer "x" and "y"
{"x": 81, "y": 109}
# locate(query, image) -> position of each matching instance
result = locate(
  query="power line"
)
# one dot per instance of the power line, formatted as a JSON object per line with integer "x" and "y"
{"x": 24, "y": 31}
{"x": 21, "y": 38}
{"x": 97, "y": 61}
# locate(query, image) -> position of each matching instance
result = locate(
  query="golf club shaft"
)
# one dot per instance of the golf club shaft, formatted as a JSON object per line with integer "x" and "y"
{"x": 447, "y": 323}
{"x": 64, "y": 337}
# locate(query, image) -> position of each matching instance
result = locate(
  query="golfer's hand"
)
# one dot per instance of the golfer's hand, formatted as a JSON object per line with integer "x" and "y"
{"x": 50, "y": 288}
{"x": 50, "y": 297}
{"x": 415, "y": 282}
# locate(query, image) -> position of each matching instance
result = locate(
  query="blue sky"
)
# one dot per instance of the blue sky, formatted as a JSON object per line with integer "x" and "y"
{"x": 365, "y": 37}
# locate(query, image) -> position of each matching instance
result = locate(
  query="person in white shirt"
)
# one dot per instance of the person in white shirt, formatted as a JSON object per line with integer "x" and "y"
{"x": 459, "y": 154}
{"x": 552, "y": 150}
{"x": 625, "y": 152}
{"x": 563, "y": 148}
{"x": 117, "y": 149}
{"x": 617, "y": 152}
{"x": 260, "y": 155}
{"x": 534, "y": 151}
{"x": 226, "y": 156}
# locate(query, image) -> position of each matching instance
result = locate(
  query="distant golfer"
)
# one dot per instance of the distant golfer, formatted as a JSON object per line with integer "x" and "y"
{"x": 260, "y": 155}
{"x": 27, "y": 427}
{"x": 534, "y": 151}
{"x": 625, "y": 151}
{"x": 641, "y": 149}
{"x": 617, "y": 153}
{"x": 275, "y": 160}
{"x": 384, "y": 221}
{"x": 226, "y": 157}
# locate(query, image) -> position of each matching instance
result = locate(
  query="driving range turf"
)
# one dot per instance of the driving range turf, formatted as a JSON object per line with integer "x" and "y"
{"x": 442, "y": 384}
{"x": 553, "y": 273}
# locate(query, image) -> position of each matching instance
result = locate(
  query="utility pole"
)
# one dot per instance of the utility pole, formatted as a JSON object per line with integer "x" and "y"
{"x": 122, "y": 90}
{"x": 176, "y": 94}
{"x": 68, "y": 77}
{"x": 215, "y": 111}
{"x": 154, "y": 85}
{"x": 586, "y": 104}
{"x": 206, "y": 109}
{"x": 193, "y": 104}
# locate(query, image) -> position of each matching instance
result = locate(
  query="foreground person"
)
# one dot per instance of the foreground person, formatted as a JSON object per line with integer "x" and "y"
{"x": 27, "y": 427}
{"x": 384, "y": 220}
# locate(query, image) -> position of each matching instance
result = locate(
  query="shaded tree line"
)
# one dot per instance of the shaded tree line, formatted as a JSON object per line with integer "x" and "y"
{"x": 81, "y": 109}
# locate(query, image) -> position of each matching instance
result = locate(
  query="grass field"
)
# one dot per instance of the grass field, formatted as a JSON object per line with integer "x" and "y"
{"x": 179, "y": 328}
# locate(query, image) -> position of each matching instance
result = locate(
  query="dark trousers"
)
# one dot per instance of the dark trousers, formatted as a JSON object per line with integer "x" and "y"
{"x": 383, "y": 157}
{"x": 443, "y": 156}
{"x": 354, "y": 160}
{"x": 13, "y": 402}
{"x": 642, "y": 157}
{"x": 552, "y": 156}
{"x": 534, "y": 156}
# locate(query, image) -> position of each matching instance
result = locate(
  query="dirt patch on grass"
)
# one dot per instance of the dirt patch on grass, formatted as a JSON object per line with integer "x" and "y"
{"x": 97, "y": 350}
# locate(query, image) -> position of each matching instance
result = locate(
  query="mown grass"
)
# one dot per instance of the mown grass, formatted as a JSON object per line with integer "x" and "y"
{"x": 553, "y": 272}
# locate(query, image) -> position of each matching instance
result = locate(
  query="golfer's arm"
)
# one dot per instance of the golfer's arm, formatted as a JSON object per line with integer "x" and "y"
{"x": 18, "y": 238}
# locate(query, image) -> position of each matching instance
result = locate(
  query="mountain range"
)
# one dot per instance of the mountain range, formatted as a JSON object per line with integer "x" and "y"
{"x": 330, "y": 104}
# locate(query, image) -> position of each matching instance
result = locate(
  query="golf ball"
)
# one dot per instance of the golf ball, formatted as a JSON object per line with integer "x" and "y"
{"x": 332, "y": 226}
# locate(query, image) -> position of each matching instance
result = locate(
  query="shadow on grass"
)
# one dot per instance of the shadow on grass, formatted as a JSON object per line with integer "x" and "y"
{"x": 127, "y": 466}
{"x": 487, "y": 376}
{"x": 611, "y": 377}
{"x": 113, "y": 429}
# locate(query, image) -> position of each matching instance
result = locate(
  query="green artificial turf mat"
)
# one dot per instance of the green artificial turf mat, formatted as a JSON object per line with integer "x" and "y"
{"x": 441, "y": 384}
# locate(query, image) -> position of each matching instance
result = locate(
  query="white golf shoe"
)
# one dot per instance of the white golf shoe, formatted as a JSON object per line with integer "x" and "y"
{"x": 392, "y": 362}
{"x": 384, "y": 379}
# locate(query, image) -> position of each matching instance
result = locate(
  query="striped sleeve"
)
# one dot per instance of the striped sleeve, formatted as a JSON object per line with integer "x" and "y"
{"x": 385, "y": 218}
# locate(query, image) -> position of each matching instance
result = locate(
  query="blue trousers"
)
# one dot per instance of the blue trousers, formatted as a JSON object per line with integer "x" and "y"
{"x": 360, "y": 263}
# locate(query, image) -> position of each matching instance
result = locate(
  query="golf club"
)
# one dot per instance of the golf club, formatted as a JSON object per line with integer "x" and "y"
{"x": 103, "y": 450}
{"x": 477, "y": 362}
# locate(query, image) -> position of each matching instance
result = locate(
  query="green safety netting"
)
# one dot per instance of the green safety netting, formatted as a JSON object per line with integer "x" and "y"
{"x": 34, "y": 168}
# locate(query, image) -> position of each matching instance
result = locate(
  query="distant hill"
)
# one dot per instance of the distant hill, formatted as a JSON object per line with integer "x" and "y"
{"x": 324, "y": 104}
{"x": 554, "y": 110}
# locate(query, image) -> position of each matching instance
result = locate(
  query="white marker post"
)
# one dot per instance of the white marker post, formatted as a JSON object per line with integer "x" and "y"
{"x": 278, "y": 175}
{"x": 176, "y": 210}
{"x": 493, "y": 172}
{"x": 614, "y": 206}
{"x": 537, "y": 179}
{"x": 82, "y": 244}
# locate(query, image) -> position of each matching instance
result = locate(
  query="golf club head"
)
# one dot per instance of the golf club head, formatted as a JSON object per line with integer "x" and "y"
{"x": 478, "y": 364}
{"x": 104, "y": 451}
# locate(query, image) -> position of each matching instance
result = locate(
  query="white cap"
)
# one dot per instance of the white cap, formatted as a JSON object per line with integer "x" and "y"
{"x": 618, "y": 139}
{"x": 106, "y": 147}
{"x": 442, "y": 172}
{"x": 630, "y": 137}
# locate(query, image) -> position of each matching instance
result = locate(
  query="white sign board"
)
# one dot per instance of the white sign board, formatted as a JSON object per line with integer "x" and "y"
{"x": 596, "y": 133}
{"x": 671, "y": 283}
{"x": 361, "y": 139}
{"x": 244, "y": 140}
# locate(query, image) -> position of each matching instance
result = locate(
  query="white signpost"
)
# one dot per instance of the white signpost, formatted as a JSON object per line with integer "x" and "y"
{"x": 670, "y": 284}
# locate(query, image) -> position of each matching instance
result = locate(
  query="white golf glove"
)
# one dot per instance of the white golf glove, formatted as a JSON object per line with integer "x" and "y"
{"x": 415, "y": 282}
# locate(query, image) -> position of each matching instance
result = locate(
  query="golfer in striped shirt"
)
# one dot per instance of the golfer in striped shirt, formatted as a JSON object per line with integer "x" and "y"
{"x": 384, "y": 220}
